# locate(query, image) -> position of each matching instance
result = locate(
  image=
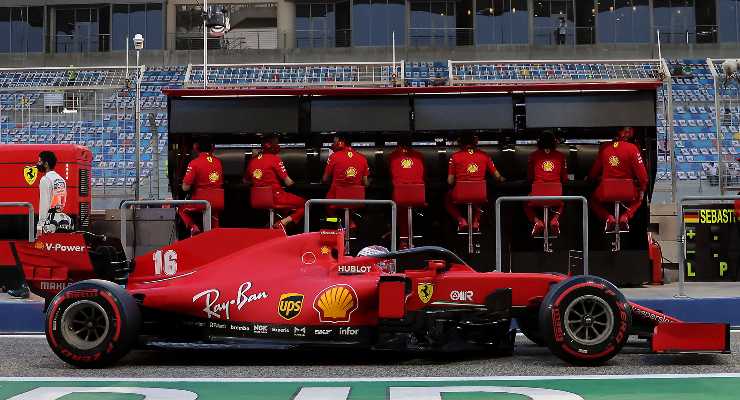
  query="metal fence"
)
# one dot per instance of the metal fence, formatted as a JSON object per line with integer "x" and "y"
{"x": 90, "y": 106}
{"x": 233, "y": 40}
{"x": 528, "y": 71}
{"x": 727, "y": 124}
{"x": 353, "y": 74}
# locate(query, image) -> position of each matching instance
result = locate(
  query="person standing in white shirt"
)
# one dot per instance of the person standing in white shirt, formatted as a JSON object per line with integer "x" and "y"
{"x": 52, "y": 189}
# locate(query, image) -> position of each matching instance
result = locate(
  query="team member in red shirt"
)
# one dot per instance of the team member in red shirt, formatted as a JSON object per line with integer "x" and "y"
{"x": 204, "y": 178}
{"x": 618, "y": 159}
{"x": 406, "y": 166}
{"x": 546, "y": 165}
{"x": 468, "y": 164}
{"x": 267, "y": 169}
{"x": 345, "y": 167}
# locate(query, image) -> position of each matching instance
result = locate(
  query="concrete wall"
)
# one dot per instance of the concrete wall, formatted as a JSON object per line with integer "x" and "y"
{"x": 503, "y": 52}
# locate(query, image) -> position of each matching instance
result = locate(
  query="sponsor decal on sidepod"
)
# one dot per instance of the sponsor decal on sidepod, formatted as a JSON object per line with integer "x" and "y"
{"x": 214, "y": 309}
{"x": 290, "y": 305}
{"x": 336, "y": 303}
{"x": 461, "y": 295}
{"x": 59, "y": 247}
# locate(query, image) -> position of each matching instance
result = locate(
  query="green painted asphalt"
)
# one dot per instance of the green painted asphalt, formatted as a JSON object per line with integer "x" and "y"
{"x": 610, "y": 388}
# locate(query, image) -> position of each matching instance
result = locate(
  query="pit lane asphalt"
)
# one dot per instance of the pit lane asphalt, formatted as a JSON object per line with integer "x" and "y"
{"x": 31, "y": 357}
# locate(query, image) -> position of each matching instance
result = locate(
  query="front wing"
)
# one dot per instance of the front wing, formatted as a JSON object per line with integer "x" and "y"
{"x": 671, "y": 335}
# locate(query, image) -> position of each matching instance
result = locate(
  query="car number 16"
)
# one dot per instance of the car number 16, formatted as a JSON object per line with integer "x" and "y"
{"x": 166, "y": 262}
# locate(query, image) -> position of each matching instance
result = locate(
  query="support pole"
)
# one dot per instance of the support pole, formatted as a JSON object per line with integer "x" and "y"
{"x": 205, "y": 45}
{"x": 410, "y": 222}
{"x": 137, "y": 194}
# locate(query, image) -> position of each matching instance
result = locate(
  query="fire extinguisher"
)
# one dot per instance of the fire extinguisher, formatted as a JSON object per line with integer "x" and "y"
{"x": 655, "y": 254}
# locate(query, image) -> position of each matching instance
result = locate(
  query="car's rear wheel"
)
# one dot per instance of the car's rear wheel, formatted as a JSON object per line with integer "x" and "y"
{"x": 92, "y": 323}
{"x": 585, "y": 320}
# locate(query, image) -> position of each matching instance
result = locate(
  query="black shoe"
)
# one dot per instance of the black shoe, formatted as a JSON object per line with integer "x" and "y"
{"x": 23, "y": 292}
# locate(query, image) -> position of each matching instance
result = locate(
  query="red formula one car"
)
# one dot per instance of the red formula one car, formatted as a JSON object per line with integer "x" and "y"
{"x": 248, "y": 287}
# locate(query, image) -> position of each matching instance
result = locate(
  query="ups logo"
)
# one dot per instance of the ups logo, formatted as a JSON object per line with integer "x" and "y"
{"x": 290, "y": 305}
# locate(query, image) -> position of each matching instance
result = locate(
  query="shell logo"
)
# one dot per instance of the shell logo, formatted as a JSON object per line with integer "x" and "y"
{"x": 39, "y": 245}
{"x": 548, "y": 166}
{"x": 614, "y": 161}
{"x": 324, "y": 250}
{"x": 257, "y": 173}
{"x": 472, "y": 168}
{"x": 336, "y": 303}
{"x": 213, "y": 177}
{"x": 407, "y": 163}
{"x": 351, "y": 172}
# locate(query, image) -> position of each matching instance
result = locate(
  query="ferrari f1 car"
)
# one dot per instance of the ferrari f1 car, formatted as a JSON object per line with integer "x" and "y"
{"x": 242, "y": 287}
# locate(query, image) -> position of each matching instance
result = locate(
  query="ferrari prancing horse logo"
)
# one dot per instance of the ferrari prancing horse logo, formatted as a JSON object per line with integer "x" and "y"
{"x": 425, "y": 290}
{"x": 30, "y": 174}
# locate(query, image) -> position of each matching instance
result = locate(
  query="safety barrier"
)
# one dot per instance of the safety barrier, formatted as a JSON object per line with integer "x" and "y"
{"x": 31, "y": 231}
{"x": 128, "y": 203}
{"x": 499, "y": 247}
{"x": 350, "y": 202}
{"x": 682, "y": 235}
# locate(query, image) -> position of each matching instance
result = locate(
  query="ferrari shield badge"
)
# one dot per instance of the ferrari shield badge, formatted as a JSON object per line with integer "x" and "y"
{"x": 425, "y": 291}
{"x": 30, "y": 173}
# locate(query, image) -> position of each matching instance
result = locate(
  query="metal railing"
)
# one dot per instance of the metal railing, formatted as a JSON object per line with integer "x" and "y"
{"x": 527, "y": 71}
{"x": 126, "y": 204}
{"x": 72, "y": 77}
{"x": 31, "y": 215}
{"x": 682, "y": 234}
{"x": 320, "y": 39}
{"x": 441, "y": 37}
{"x": 499, "y": 246}
{"x": 668, "y": 104}
{"x": 351, "y": 74}
{"x": 82, "y": 43}
{"x": 681, "y": 35}
{"x": 242, "y": 40}
{"x": 721, "y": 102}
{"x": 351, "y": 202}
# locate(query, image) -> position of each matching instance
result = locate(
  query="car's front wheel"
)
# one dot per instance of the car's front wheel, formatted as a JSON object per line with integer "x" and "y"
{"x": 585, "y": 320}
{"x": 92, "y": 323}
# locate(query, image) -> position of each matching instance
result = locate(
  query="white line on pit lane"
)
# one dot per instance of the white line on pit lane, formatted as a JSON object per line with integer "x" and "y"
{"x": 379, "y": 379}
{"x": 23, "y": 336}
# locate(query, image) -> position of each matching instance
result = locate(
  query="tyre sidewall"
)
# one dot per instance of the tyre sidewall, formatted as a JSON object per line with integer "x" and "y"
{"x": 552, "y": 325}
{"x": 123, "y": 323}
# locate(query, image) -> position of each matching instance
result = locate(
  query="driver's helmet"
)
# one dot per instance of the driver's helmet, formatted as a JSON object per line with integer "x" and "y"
{"x": 386, "y": 265}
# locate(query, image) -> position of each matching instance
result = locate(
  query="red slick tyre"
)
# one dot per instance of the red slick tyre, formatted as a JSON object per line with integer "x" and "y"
{"x": 585, "y": 320}
{"x": 92, "y": 323}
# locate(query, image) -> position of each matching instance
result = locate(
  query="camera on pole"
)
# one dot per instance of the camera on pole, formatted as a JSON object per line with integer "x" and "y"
{"x": 138, "y": 41}
{"x": 217, "y": 21}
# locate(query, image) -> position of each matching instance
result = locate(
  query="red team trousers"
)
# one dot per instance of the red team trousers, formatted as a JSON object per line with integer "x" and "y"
{"x": 288, "y": 201}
